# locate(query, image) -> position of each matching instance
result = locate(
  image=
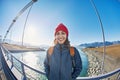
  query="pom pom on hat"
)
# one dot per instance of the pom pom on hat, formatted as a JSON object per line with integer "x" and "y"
{"x": 61, "y": 27}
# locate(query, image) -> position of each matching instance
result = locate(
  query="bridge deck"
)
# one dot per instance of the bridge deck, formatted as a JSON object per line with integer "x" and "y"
{"x": 2, "y": 75}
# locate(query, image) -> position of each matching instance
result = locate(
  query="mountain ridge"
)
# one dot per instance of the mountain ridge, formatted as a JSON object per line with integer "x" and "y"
{"x": 99, "y": 44}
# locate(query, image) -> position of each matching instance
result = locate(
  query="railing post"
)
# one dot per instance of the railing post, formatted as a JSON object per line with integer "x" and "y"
{"x": 7, "y": 54}
{"x": 118, "y": 77}
{"x": 11, "y": 61}
{"x": 0, "y": 39}
{"x": 0, "y": 59}
{"x": 23, "y": 72}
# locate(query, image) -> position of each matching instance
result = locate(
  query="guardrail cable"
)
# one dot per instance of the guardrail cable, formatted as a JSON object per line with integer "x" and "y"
{"x": 101, "y": 25}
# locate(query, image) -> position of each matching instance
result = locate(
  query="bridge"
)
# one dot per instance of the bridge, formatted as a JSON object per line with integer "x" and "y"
{"x": 12, "y": 68}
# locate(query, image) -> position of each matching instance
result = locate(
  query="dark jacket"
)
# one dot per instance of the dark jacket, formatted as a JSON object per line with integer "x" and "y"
{"x": 58, "y": 66}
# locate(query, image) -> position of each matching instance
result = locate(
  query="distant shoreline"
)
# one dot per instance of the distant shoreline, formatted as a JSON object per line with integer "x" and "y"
{"x": 17, "y": 48}
{"x": 19, "y": 51}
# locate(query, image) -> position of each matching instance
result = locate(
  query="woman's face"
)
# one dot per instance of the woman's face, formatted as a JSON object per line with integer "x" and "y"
{"x": 61, "y": 37}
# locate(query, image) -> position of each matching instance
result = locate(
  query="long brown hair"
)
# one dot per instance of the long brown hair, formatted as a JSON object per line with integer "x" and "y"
{"x": 66, "y": 43}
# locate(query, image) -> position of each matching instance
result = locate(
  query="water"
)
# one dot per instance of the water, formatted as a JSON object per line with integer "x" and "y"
{"x": 84, "y": 64}
{"x": 36, "y": 59}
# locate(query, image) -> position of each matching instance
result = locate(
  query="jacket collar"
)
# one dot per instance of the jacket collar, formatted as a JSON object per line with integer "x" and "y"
{"x": 61, "y": 46}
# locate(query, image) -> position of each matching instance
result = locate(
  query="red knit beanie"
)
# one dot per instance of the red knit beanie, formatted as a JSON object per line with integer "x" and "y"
{"x": 61, "y": 27}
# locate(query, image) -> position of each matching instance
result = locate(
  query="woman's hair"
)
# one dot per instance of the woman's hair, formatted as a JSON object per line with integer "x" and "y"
{"x": 66, "y": 43}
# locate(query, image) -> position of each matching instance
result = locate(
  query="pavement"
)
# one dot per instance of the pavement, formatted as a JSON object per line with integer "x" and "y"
{"x": 2, "y": 75}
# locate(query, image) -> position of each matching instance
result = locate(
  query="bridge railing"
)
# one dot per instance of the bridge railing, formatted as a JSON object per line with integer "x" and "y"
{"x": 26, "y": 71}
{"x": 29, "y": 73}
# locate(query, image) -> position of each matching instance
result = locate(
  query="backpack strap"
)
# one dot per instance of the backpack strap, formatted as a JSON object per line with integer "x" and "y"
{"x": 72, "y": 52}
{"x": 50, "y": 50}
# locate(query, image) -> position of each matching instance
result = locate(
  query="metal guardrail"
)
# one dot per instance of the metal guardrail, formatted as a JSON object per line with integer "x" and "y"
{"x": 23, "y": 67}
{"x": 42, "y": 74}
{"x": 6, "y": 72}
{"x": 102, "y": 76}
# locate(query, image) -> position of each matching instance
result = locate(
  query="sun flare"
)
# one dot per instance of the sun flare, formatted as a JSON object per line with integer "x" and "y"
{"x": 30, "y": 34}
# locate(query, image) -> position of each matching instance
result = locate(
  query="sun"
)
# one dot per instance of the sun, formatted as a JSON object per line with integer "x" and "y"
{"x": 30, "y": 34}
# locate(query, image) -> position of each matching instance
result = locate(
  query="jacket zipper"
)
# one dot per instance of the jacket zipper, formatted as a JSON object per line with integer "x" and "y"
{"x": 60, "y": 62}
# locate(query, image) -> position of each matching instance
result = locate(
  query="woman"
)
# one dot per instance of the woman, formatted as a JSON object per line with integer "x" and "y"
{"x": 59, "y": 62}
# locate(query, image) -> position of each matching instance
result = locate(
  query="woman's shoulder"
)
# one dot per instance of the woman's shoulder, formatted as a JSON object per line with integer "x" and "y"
{"x": 76, "y": 50}
{"x": 50, "y": 50}
{"x": 72, "y": 47}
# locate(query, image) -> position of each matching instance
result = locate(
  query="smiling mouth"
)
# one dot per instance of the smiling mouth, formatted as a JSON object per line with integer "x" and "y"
{"x": 61, "y": 39}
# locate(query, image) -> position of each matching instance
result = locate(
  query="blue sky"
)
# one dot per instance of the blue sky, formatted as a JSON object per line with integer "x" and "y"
{"x": 78, "y": 15}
